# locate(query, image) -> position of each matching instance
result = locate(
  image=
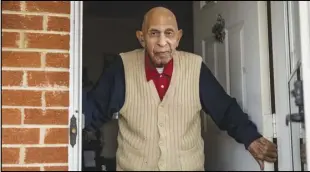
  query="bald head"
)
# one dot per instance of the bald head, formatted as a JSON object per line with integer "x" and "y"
{"x": 159, "y": 15}
{"x": 159, "y": 35}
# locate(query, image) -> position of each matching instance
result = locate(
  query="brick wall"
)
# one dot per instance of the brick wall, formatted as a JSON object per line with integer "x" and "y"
{"x": 35, "y": 80}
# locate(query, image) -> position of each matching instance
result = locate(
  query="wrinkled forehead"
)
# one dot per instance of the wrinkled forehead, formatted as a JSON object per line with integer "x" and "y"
{"x": 161, "y": 23}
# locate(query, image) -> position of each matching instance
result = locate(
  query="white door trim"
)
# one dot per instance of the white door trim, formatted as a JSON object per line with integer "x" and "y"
{"x": 75, "y": 109}
{"x": 280, "y": 42}
{"x": 304, "y": 20}
{"x": 1, "y": 79}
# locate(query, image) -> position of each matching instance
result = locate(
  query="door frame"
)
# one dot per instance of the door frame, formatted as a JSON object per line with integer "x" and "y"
{"x": 280, "y": 42}
{"x": 75, "y": 94}
{"x": 280, "y": 50}
{"x": 304, "y": 17}
{"x": 1, "y": 81}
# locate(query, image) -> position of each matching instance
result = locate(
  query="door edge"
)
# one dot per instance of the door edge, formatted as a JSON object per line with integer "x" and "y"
{"x": 75, "y": 88}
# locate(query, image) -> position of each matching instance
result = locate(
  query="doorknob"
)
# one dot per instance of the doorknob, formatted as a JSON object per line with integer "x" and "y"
{"x": 297, "y": 92}
{"x": 73, "y": 130}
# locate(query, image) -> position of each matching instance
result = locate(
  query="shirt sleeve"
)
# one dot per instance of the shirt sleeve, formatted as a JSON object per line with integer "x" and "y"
{"x": 106, "y": 98}
{"x": 224, "y": 110}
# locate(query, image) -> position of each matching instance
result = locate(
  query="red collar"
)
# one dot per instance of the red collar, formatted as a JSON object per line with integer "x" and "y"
{"x": 151, "y": 72}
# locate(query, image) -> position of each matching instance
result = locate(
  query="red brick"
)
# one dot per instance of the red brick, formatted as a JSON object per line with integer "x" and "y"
{"x": 12, "y": 78}
{"x": 21, "y": 59}
{"x": 56, "y": 136}
{"x": 48, "y": 117}
{"x": 52, "y": 79}
{"x": 21, "y": 98}
{"x": 58, "y": 24}
{"x": 10, "y": 39}
{"x": 20, "y": 168}
{"x": 57, "y": 98}
{"x": 11, "y": 116}
{"x": 10, "y": 155}
{"x": 11, "y": 5}
{"x": 47, "y": 155}
{"x": 47, "y": 41}
{"x": 57, "y": 60}
{"x": 15, "y": 21}
{"x": 48, "y": 6}
{"x": 56, "y": 168}
{"x": 20, "y": 135}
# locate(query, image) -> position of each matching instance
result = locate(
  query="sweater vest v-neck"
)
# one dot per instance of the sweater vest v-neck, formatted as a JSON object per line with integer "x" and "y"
{"x": 157, "y": 135}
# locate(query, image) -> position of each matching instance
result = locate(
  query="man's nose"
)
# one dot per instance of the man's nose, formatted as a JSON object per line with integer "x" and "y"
{"x": 162, "y": 41}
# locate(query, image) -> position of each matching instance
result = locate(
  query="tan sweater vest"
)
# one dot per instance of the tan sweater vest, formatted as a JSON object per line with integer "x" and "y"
{"x": 157, "y": 135}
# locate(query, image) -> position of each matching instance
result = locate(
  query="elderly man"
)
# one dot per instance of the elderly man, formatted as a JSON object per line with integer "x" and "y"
{"x": 159, "y": 93}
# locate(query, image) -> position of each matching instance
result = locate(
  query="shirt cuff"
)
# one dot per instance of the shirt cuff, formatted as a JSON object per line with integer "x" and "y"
{"x": 250, "y": 135}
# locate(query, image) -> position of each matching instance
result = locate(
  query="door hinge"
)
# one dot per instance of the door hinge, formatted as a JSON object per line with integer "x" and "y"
{"x": 270, "y": 129}
{"x": 73, "y": 131}
{"x": 270, "y": 132}
{"x": 274, "y": 125}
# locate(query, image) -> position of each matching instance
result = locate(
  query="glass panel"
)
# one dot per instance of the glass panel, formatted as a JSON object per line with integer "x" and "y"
{"x": 294, "y": 36}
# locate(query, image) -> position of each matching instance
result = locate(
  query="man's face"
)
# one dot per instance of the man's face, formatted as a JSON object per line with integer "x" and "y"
{"x": 160, "y": 37}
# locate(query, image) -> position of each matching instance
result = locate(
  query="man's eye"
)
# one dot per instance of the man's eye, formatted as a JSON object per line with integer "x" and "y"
{"x": 169, "y": 33}
{"x": 154, "y": 33}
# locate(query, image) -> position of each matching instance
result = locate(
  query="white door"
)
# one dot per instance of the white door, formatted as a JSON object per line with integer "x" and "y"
{"x": 291, "y": 64}
{"x": 298, "y": 65}
{"x": 241, "y": 65}
{"x": 294, "y": 74}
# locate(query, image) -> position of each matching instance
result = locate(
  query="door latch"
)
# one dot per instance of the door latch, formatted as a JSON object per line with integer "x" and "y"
{"x": 73, "y": 131}
{"x": 297, "y": 92}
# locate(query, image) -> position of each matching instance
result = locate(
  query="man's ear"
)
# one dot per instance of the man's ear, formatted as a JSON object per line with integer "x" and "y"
{"x": 179, "y": 36}
{"x": 139, "y": 35}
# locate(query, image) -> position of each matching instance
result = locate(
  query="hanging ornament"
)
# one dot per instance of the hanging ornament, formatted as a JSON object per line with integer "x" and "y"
{"x": 218, "y": 29}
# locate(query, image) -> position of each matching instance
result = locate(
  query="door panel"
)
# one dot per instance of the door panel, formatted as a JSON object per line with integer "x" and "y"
{"x": 236, "y": 66}
{"x": 294, "y": 37}
{"x": 241, "y": 66}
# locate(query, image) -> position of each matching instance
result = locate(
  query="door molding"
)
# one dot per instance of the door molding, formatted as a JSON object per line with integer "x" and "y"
{"x": 75, "y": 88}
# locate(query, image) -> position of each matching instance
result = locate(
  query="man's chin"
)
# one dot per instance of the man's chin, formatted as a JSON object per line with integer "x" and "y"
{"x": 161, "y": 63}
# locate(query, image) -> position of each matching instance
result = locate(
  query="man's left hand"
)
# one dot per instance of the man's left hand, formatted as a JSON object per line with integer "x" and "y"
{"x": 263, "y": 150}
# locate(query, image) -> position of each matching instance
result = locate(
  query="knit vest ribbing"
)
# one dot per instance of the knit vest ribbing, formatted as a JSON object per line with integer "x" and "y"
{"x": 161, "y": 135}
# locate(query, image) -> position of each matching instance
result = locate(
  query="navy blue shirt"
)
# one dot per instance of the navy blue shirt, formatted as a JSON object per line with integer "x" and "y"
{"x": 108, "y": 97}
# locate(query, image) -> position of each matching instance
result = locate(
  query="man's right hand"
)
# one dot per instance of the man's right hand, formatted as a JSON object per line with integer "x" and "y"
{"x": 263, "y": 150}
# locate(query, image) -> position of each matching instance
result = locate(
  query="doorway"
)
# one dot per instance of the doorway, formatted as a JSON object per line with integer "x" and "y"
{"x": 109, "y": 29}
{"x": 226, "y": 158}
